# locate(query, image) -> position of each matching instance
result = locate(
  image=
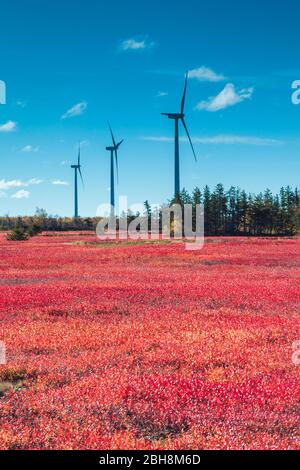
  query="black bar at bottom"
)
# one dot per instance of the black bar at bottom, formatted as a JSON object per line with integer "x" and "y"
{"x": 138, "y": 459}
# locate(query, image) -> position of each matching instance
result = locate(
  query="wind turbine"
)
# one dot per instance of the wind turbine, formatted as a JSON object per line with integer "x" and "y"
{"x": 113, "y": 149}
{"x": 77, "y": 168}
{"x": 179, "y": 117}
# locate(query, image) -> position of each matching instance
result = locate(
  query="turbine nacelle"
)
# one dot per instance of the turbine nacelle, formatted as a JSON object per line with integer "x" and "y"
{"x": 77, "y": 169}
{"x": 174, "y": 115}
{"x": 114, "y": 150}
{"x": 78, "y": 166}
{"x": 114, "y": 147}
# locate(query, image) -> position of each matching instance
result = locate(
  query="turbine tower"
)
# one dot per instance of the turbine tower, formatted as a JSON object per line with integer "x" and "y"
{"x": 113, "y": 149}
{"x": 179, "y": 117}
{"x": 77, "y": 168}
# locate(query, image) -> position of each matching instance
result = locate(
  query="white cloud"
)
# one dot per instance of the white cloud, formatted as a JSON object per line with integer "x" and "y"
{"x": 9, "y": 126}
{"x": 133, "y": 45}
{"x": 136, "y": 45}
{"x": 66, "y": 162}
{"x": 30, "y": 149}
{"x": 221, "y": 139}
{"x": 5, "y": 185}
{"x": 33, "y": 181}
{"x": 76, "y": 110}
{"x": 22, "y": 194}
{"x": 21, "y": 104}
{"x": 60, "y": 183}
{"x": 161, "y": 94}
{"x": 229, "y": 96}
{"x": 237, "y": 139}
{"x": 206, "y": 74}
{"x": 2, "y": 194}
{"x": 10, "y": 184}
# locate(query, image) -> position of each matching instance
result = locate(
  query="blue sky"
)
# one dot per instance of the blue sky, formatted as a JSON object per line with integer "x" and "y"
{"x": 68, "y": 67}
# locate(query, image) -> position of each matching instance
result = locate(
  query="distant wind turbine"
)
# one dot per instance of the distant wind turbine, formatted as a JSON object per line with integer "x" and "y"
{"x": 77, "y": 168}
{"x": 113, "y": 149}
{"x": 180, "y": 117}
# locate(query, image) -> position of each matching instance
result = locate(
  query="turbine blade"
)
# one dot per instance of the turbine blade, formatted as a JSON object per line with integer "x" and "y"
{"x": 79, "y": 154}
{"x": 79, "y": 169}
{"x": 118, "y": 145}
{"x": 112, "y": 136}
{"x": 184, "y": 93}
{"x": 117, "y": 164}
{"x": 190, "y": 140}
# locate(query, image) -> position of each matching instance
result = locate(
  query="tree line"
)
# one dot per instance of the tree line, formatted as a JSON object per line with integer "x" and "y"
{"x": 236, "y": 212}
{"x": 42, "y": 221}
{"x": 227, "y": 212}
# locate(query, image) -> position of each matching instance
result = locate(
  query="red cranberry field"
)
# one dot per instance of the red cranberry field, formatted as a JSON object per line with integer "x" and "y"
{"x": 139, "y": 345}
